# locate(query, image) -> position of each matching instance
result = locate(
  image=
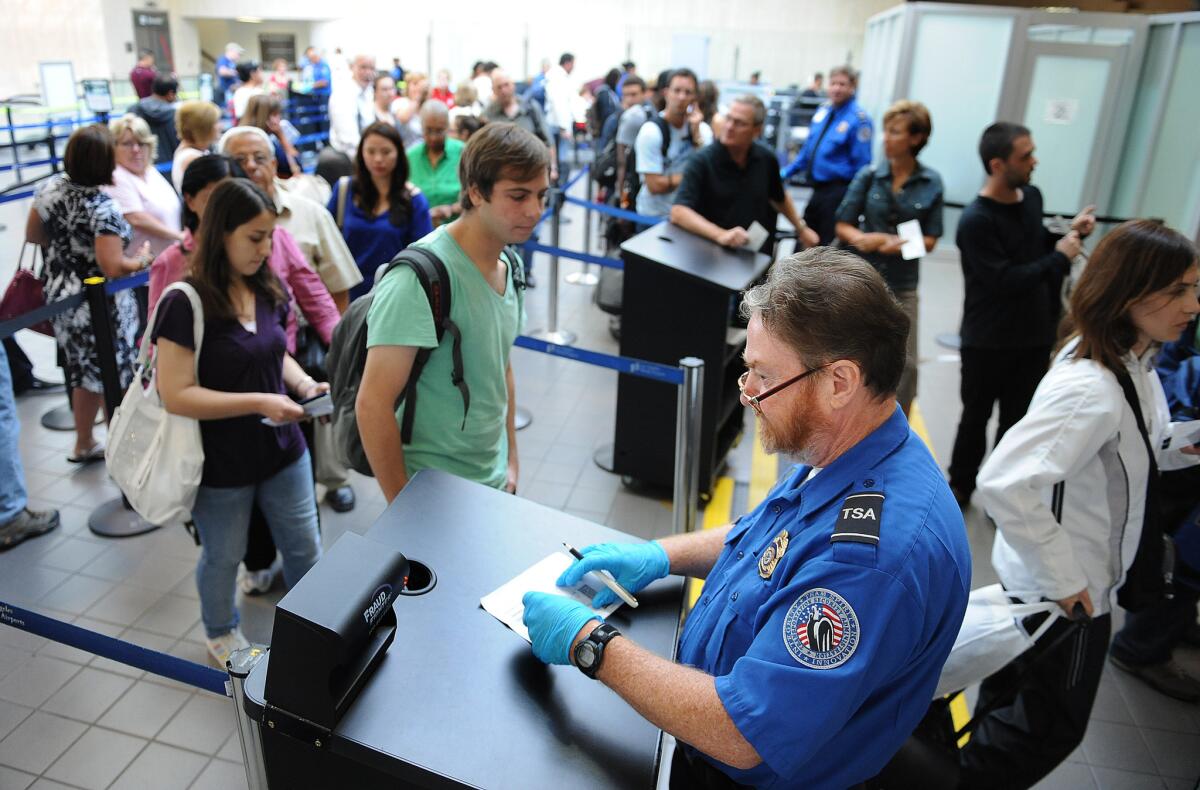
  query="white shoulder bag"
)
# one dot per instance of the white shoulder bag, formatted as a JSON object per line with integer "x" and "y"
{"x": 991, "y": 636}
{"x": 155, "y": 457}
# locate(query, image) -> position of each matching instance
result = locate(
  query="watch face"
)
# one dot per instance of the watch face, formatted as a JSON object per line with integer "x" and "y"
{"x": 586, "y": 656}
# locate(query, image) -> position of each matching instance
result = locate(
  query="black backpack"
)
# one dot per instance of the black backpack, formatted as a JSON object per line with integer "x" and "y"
{"x": 347, "y": 357}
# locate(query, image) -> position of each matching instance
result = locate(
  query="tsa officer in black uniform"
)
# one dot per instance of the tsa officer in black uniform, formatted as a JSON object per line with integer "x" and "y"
{"x": 827, "y": 613}
{"x": 838, "y": 146}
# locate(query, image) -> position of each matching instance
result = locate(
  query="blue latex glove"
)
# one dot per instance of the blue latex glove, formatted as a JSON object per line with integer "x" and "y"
{"x": 553, "y": 621}
{"x": 633, "y": 565}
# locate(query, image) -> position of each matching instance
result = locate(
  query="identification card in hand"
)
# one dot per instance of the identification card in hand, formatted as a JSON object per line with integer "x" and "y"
{"x": 758, "y": 236}
{"x": 914, "y": 240}
{"x": 505, "y": 602}
{"x": 317, "y": 406}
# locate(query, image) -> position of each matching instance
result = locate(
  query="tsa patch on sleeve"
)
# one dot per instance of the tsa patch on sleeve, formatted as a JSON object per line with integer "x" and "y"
{"x": 864, "y": 133}
{"x": 821, "y": 629}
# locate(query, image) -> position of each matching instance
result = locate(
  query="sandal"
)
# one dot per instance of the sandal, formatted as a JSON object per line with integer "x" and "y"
{"x": 95, "y": 453}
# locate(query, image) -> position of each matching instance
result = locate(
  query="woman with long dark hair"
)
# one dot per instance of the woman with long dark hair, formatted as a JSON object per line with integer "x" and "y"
{"x": 1070, "y": 487}
{"x": 378, "y": 211}
{"x": 243, "y": 374}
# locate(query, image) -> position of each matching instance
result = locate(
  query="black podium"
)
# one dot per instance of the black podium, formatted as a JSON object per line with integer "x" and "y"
{"x": 680, "y": 295}
{"x": 459, "y": 700}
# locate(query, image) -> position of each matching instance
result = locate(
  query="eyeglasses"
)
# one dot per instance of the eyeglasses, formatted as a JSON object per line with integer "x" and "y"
{"x": 258, "y": 159}
{"x": 133, "y": 145}
{"x": 756, "y": 400}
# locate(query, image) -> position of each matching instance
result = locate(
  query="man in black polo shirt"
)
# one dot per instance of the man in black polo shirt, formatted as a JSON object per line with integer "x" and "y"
{"x": 1013, "y": 270}
{"x": 734, "y": 182}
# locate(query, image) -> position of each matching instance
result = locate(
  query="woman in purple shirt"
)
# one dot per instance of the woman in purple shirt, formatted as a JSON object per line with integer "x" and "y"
{"x": 243, "y": 371}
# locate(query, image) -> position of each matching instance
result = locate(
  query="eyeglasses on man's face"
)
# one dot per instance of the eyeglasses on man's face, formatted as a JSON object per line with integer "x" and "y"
{"x": 756, "y": 400}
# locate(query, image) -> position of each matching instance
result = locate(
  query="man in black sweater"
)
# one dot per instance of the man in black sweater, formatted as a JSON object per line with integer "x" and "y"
{"x": 1013, "y": 269}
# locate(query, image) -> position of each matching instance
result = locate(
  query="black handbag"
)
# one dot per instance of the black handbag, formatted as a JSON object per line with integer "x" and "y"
{"x": 310, "y": 353}
{"x": 1150, "y": 578}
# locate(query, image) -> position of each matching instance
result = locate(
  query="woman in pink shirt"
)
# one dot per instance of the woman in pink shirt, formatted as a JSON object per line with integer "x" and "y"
{"x": 305, "y": 291}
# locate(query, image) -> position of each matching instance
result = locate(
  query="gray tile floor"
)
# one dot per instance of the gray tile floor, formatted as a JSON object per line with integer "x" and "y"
{"x": 70, "y": 719}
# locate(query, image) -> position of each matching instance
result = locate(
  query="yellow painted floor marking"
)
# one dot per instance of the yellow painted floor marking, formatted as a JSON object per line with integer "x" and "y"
{"x": 717, "y": 514}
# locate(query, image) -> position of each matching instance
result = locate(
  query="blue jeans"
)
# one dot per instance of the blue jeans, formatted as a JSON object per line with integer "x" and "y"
{"x": 222, "y": 517}
{"x": 12, "y": 477}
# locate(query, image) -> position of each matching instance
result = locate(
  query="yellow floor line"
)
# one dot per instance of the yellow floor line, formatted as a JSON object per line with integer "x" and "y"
{"x": 960, "y": 715}
{"x": 716, "y": 514}
{"x": 764, "y": 471}
{"x": 917, "y": 421}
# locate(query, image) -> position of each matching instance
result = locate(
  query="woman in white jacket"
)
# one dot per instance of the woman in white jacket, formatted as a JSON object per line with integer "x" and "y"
{"x": 1067, "y": 487}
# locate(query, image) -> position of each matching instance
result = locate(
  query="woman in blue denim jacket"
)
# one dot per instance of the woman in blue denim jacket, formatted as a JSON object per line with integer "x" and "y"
{"x": 882, "y": 197}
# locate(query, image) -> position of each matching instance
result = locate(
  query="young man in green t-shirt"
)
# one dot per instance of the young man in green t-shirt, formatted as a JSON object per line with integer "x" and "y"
{"x": 505, "y": 176}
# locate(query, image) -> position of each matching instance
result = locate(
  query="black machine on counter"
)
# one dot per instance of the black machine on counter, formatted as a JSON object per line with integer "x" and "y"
{"x": 331, "y": 630}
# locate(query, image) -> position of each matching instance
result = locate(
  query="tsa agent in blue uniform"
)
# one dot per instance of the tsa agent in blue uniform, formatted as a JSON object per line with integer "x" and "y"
{"x": 827, "y": 612}
{"x": 838, "y": 146}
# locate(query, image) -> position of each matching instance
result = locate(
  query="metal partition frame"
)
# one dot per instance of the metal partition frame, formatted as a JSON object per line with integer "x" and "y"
{"x": 1191, "y": 226}
{"x": 1011, "y": 105}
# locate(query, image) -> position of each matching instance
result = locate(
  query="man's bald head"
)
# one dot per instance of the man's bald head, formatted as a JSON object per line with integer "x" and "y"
{"x": 364, "y": 69}
{"x": 503, "y": 88}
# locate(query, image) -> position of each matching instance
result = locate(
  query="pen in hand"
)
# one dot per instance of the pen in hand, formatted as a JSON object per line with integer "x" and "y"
{"x": 605, "y": 577}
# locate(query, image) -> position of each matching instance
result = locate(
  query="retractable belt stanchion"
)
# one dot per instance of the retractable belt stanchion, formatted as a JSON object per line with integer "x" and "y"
{"x": 587, "y": 276}
{"x": 240, "y": 664}
{"x": 112, "y": 519}
{"x": 687, "y": 445}
{"x": 552, "y": 334}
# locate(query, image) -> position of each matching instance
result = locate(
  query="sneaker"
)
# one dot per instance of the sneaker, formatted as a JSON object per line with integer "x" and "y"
{"x": 25, "y": 525}
{"x": 1167, "y": 677}
{"x": 221, "y": 647}
{"x": 260, "y": 581}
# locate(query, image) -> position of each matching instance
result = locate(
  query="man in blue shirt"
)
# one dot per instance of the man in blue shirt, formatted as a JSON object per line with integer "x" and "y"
{"x": 316, "y": 73}
{"x": 226, "y": 73}
{"x": 828, "y": 611}
{"x": 838, "y": 146}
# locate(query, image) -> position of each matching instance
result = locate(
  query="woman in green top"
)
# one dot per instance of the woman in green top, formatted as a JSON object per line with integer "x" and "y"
{"x": 433, "y": 163}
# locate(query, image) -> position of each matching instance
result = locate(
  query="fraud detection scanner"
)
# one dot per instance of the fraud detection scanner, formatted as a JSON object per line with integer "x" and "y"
{"x": 436, "y": 692}
{"x": 330, "y": 632}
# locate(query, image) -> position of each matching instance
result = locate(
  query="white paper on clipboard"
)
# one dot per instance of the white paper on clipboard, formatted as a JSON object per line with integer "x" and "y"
{"x": 1184, "y": 434}
{"x": 914, "y": 239}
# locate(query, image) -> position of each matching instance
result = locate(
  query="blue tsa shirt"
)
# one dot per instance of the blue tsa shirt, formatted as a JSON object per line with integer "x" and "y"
{"x": 829, "y": 614}
{"x": 838, "y": 144}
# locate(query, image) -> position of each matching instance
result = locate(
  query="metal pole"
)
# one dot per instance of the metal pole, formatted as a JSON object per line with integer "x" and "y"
{"x": 552, "y": 334}
{"x": 687, "y": 445}
{"x": 585, "y": 277}
{"x": 112, "y": 519}
{"x": 240, "y": 664}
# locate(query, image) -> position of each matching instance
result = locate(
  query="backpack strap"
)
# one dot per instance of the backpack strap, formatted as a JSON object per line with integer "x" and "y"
{"x": 435, "y": 281}
{"x": 664, "y": 127}
{"x": 343, "y": 185}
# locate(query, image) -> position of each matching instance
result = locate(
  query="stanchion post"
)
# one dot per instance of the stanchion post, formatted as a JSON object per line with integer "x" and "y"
{"x": 106, "y": 350}
{"x": 586, "y": 277}
{"x": 687, "y": 445}
{"x": 552, "y": 334}
{"x": 113, "y": 519}
{"x": 239, "y": 666}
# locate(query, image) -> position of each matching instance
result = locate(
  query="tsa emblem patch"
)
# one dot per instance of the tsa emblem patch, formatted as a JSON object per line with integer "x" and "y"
{"x": 821, "y": 629}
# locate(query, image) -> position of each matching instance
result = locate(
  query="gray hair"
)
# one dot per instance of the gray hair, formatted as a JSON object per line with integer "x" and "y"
{"x": 138, "y": 127}
{"x": 755, "y": 104}
{"x": 435, "y": 109}
{"x": 828, "y": 304}
{"x": 223, "y": 143}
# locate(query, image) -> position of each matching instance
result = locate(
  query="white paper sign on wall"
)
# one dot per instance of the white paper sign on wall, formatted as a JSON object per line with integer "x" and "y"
{"x": 1061, "y": 111}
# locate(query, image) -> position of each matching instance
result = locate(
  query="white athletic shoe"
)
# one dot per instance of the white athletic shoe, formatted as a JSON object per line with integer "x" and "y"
{"x": 221, "y": 647}
{"x": 259, "y": 582}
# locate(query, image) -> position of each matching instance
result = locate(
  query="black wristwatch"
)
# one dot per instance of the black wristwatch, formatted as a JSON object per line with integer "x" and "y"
{"x": 588, "y": 655}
